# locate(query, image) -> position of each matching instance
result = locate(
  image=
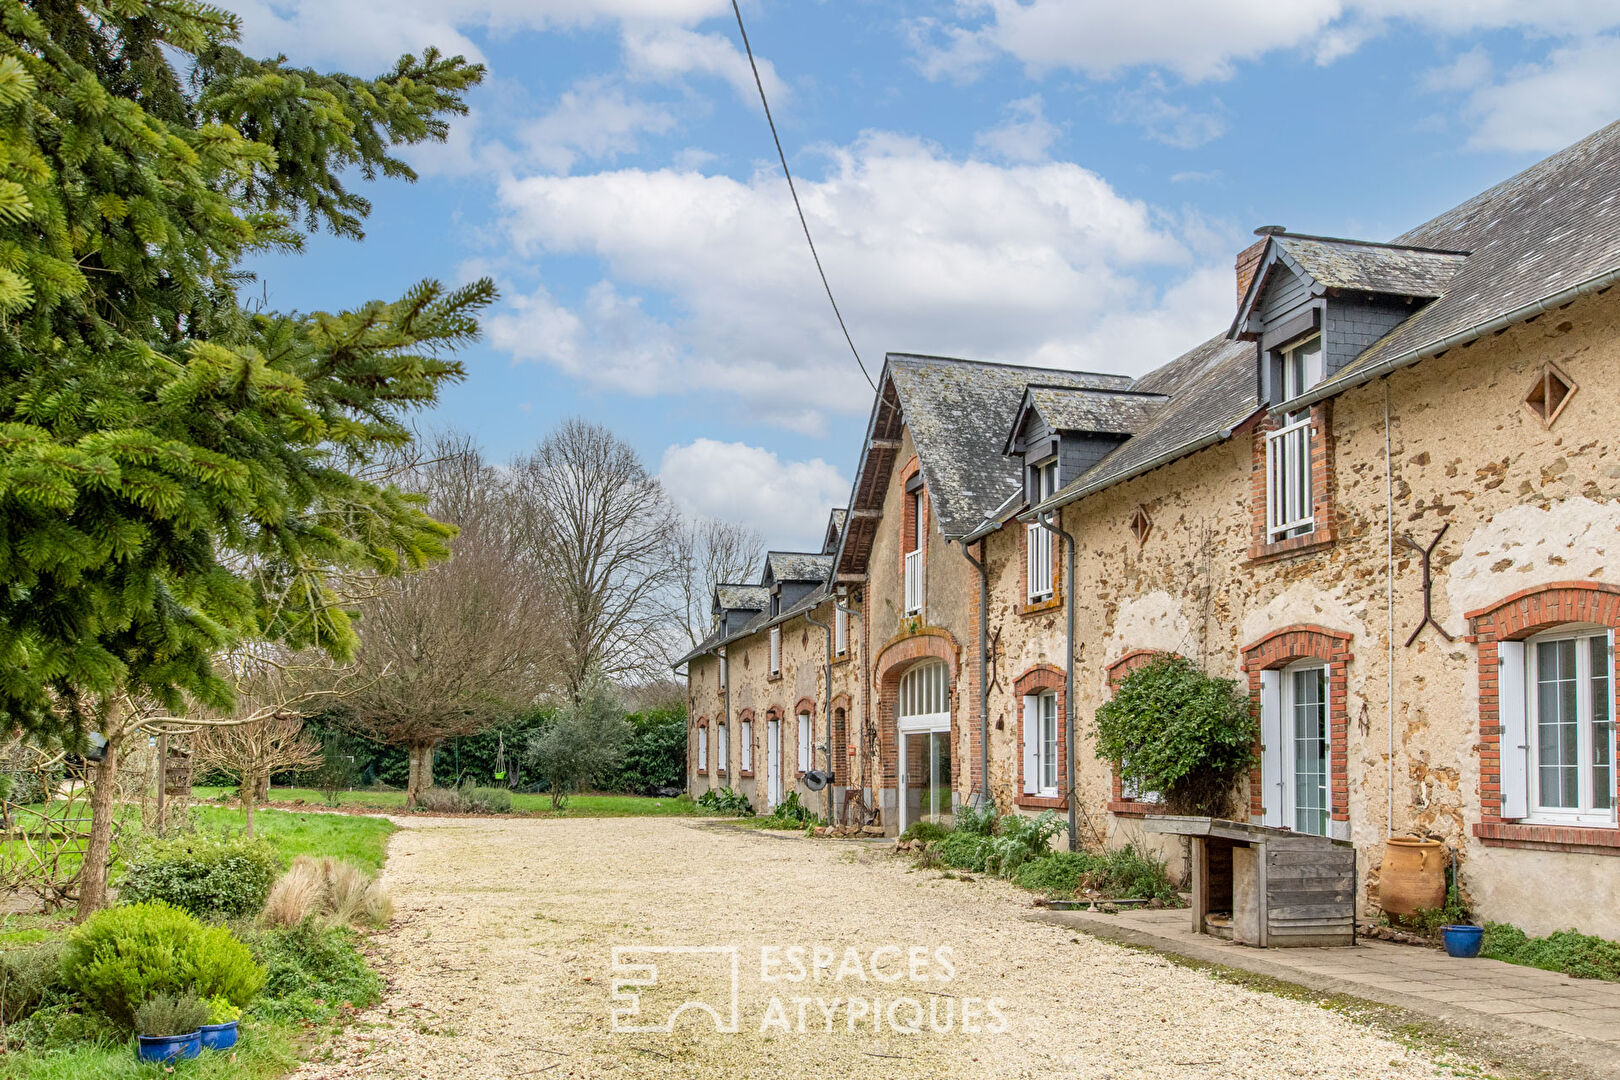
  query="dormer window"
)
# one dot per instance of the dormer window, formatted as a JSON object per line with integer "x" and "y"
{"x": 1301, "y": 366}
{"x": 1038, "y": 541}
{"x": 1288, "y": 449}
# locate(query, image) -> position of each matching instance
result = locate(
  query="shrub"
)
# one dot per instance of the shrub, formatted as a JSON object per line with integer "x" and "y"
{"x": 165, "y": 1014}
{"x": 486, "y": 800}
{"x": 926, "y": 831}
{"x": 29, "y": 978}
{"x": 1118, "y": 874}
{"x": 1057, "y": 874}
{"x": 963, "y": 850}
{"x": 440, "y": 800}
{"x": 1579, "y": 955}
{"x": 311, "y": 971}
{"x": 582, "y": 742}
{"x": 124, "y": 955}
{"x": 332, "y": 890}
{"x": 654, "y": 756}
{"x": 726, "y": 801}
{"x": 792, "y": 811}
{"x": 1021, "y": 839}
{"x": 203, "y": 875}
{"x": 1171, "y": 728}
{"x": 980, "y": 822}
{"x": 221, "y": 1011}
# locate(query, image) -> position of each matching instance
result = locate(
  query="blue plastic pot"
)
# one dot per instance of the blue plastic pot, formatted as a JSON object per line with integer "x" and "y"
{"x": 1462, "y": 941}
{"x": 162, "y": 1048}
{"x": 219, "y": 1036}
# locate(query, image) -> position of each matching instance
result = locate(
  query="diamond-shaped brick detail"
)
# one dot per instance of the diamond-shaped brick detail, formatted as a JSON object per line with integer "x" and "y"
{"x": 1141, "y": 525}
{"x": 1549, "y": 395}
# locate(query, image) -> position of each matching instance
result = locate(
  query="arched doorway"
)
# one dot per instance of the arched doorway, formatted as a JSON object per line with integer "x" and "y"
{"x": 923, "y": 721}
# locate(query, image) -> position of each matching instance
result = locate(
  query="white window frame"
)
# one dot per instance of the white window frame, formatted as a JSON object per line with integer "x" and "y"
{"x": 914, "y": 557}
{"x": 776, "y": 650}
{"x": 1290, "y": 500}
{"x": 725, "y": 675}
{"x": 1042, "y": 769}
{"x": 924, "y": 699}
{"x": 840, "y": 631}
{"x": 806, "y": 742}
{"x": 1587, "y": 811}
{"x": 703, "y": 748}
{"x": 1278, "y": 732}
{"x": 745, "y": 756}
{"x": 722, "y": 746}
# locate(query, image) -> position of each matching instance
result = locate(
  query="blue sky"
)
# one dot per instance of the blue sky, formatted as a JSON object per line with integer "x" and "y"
{"x": 1034, "y": 181}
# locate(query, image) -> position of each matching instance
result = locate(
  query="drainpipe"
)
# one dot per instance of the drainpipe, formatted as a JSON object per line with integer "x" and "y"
{"x": 1389, "y": 580}
{"x": 984, "y": 665}
{"x": 725, "y": 695}
{"x": 827, "y": 707}
{"x": 860, "y": 747}
{"x": 1048, "y": 522}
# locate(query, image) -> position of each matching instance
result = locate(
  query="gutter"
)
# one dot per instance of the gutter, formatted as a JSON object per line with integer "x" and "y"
{"x": 984, "y": 664}
{"x": 1519, "y": 314}
{"x": 1047, "y": 522}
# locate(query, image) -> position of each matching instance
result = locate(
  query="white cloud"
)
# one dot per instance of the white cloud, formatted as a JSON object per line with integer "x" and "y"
{"x": 1203, "y": 39}
{"x": 925, "y": 253}
{"x": 360, "y": 34}
{"x": 1026, "y": 135}
{"x": 1547, "y": 106}
{"x": 593, "y": 120}
{"x": 1165, "y": 121}
{"x": 787, "y": 501}
{"x": 669, "y": 53}
{"x": 1468, "y": 71}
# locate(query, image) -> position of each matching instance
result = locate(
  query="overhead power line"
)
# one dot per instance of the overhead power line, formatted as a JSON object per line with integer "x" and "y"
{"x": 795, "y": 193}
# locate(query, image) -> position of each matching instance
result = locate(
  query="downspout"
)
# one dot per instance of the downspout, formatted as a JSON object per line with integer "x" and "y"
{"x": 827, "y": 706}
{"x": 1048, "y": 522}
{"x": 1389, "y": 579}
{"x": 984, "y": 666}
{"x": 725, "y": 694}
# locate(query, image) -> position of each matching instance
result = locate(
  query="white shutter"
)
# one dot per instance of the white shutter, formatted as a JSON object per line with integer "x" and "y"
{"x": 1513, "y": 745}
{"x": 1272, "y": 811}
{"x": 1032, "y": 735}
{"x": 776, "y": 649}
{"x": 703, "y": 749}
{"x": 840, "y": 631}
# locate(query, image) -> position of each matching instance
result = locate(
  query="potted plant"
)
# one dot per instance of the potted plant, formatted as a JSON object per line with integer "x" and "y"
{"x": 169, "y": 1028}
{"x": 220, "y": 1031}
{"x": 1462, "y": 941}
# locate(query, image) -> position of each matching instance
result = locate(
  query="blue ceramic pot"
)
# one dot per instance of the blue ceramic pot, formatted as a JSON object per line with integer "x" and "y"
{"x": 219, "y": 1036}
{"x": 169, "y": 1047}
{"x": 1462, "y": 941}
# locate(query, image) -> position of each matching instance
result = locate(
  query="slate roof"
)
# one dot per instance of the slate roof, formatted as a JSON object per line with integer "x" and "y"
{"x": 1550, "y": 228}
{"x": 796, "y": 566}
{"x": 1210, "y": 389}
{"x": 1398, "y": 270}
{"x": 1095, "y": 412}
{"x": 743, "y": 597}
{"x": 835, "y": 530}
{"x": 959, "y": 412}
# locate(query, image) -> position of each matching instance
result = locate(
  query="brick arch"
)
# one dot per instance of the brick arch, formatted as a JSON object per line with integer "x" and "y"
{"x": 805, "y": 705}
{"x": 1307, "y": 641}
{"x": 1041, "y": 677}
{"x": 1512, "y": 618}
{"x": 893, "y": 660}
{"x": 745, "y": 754}
{"x": 1116, "y": 672}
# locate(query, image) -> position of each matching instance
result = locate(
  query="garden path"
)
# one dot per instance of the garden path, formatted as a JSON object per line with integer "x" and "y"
{"x": 501, "y": 966}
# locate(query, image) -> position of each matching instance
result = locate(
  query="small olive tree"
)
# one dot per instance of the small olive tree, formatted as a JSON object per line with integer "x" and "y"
{"x": 1173, "y": 729}
{"x": 583, "y": 741}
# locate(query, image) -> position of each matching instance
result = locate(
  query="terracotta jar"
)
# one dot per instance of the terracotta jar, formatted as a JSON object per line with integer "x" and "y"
{"x": 1413, "y": 875}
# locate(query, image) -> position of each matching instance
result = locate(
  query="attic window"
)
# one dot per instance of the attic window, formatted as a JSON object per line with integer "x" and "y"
{"x": 1550, "y": 394}
{"x": 1141, "y": 525}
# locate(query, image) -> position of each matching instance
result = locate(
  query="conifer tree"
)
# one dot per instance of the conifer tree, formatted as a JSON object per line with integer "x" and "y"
{"x": 179, "y": 474}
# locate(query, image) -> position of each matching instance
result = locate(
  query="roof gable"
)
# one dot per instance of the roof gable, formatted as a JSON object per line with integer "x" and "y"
{"x": 799, "y": 566}
{"x": 1113, "y": 413}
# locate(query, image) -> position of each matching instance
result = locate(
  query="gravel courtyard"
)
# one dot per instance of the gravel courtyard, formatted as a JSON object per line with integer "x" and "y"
{"x": 501, "y": 965}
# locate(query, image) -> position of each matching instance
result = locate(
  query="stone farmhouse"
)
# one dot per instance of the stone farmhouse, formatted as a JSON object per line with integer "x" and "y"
{"x": 1018, "y": 538}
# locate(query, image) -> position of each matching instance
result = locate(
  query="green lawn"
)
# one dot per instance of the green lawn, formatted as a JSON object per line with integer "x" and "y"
{"x": 345, "y": 836}
{"x": 264, "y": 1051}
{"x": 539, "y": 805}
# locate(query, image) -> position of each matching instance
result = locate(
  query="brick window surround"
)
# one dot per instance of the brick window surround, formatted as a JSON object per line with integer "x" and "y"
{"x": 902, "y": 652}
{"x": 841, "y": 756}
{"x": 909, "y": 528}
{"x": 1119, "y": 804}
{"x": 1323, "y": 482}
{"x": 1281, "y": 648}
{"x": 805, "y": 705}
{"x": 720, "y": 761}
{"x": 1042, "y": 677}
{"x": 701, "y": 731}
{"x": 1514, "y": 617}
{"x": 1023, "y": 604}
{"x": 745, "y": 754}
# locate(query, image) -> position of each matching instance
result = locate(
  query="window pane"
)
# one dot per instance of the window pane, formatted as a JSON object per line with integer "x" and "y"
{"x": 1048, "y": 748}
{"x": 1310, "y": 751}
{"x": 1557, "y": 725}
{"x": 1602, "y": 726}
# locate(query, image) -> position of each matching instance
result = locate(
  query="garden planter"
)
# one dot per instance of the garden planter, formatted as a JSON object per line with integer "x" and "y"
{"x": 169, "y": 1047}
{"x": 1462, "y": 941}
{"x": 1413, "y": 875}
{"x": 219, "y": 1036}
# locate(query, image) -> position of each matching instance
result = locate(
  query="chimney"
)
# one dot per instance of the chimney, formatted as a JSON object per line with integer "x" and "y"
{"x": 1249, "y": 258}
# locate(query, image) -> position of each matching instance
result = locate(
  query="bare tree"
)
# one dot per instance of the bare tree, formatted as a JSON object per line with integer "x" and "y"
{"x": 598, "y": 527}
{"x": 452, "y": 649}
{"x": 707, "y": 552}
{"x": 249, "y": 752}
